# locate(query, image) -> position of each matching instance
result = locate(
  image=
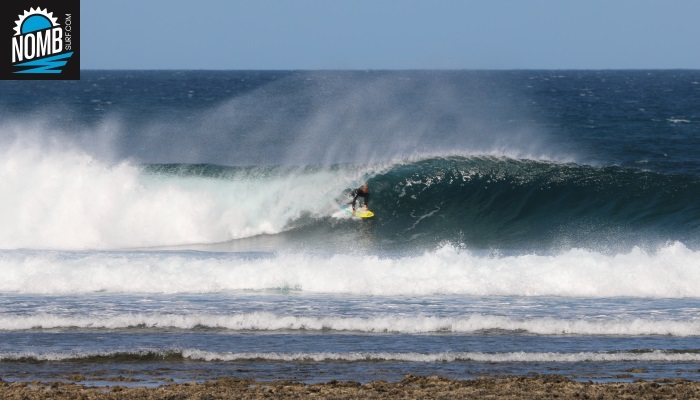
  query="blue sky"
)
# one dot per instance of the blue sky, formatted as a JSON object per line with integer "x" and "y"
{"x": 390, "y": 34}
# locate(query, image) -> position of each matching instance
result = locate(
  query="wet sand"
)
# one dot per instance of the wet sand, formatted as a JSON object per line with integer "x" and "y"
{"x": 411, "y": 387}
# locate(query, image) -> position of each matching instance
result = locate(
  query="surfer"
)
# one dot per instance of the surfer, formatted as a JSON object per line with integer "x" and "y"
{"x": 362, "y": 191}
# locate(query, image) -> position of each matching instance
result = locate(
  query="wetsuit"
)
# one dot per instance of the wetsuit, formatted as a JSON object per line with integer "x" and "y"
{"x": 359, "y": 193}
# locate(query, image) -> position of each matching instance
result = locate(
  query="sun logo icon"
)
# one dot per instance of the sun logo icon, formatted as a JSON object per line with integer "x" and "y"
{"x": 37, "y": 44}
{"x": 34, "y": 20}
{"x": 44, "y": 40}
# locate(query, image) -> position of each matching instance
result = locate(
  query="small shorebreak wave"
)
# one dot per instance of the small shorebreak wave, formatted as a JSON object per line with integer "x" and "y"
{"x": 418, "y": 324}
{"x": 357, "y": 357}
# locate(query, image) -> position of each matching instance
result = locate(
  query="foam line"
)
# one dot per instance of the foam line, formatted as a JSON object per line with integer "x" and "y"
{"x": 669, "y": 272}
{"x": 442, "y": 357}
{"x": 418, "y": 324}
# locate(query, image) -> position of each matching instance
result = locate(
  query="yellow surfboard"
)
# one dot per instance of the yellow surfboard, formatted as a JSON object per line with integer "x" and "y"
{"x": 360, "y": 213}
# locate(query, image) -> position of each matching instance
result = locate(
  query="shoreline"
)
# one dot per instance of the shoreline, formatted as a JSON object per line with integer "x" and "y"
{"x": 411, "y": 386}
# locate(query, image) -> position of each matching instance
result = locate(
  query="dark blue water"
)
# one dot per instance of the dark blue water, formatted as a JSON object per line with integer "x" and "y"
{"x": 639, "y": 119}
{"x": 185, "y": 224}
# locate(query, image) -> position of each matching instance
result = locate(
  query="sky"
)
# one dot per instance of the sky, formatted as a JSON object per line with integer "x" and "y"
{"x": 390, "y": 34}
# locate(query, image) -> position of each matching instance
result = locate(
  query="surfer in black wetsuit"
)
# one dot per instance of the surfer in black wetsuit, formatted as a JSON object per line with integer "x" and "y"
{"x": 362, "y": 191}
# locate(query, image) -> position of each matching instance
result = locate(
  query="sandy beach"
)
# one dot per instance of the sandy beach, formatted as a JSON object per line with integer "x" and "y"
{"x": 411, "y": 387}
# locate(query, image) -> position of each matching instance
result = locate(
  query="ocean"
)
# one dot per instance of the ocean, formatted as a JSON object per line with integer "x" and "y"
{"x": 164, "y": 226}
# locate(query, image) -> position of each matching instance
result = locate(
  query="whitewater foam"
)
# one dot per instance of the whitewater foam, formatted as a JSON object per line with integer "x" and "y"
{"x": 441, "y": 357}
{"x": 64, "y": 198}
{"x": 417, "y": 324}
{"x": 447, "y": 357}
{"x": 670, "y": 272}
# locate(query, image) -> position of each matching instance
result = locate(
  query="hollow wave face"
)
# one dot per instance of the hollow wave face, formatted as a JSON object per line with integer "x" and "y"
{"x": 506, "y": 203}
{"x": 68, "y": 199}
